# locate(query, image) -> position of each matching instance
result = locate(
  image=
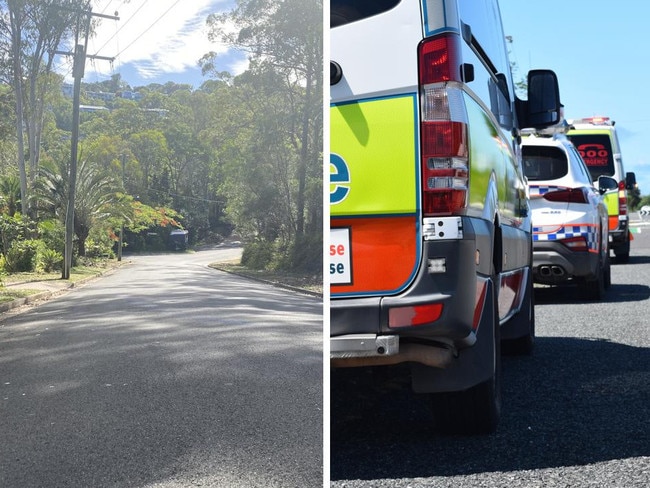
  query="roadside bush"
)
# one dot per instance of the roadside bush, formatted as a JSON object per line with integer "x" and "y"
{"x": 101, "y": 243}
{"x": 305, "y": 255}
{"x": 14, "y": 229}
{"x": 257, "y": 255}
{"x": 95, "y": 249}
{"x": 21, "y": 256}
{"x": 49, "y": 260}
{"x": 52, "y": 233}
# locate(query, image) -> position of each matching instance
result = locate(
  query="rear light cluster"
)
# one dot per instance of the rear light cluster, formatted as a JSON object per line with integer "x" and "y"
{"x": 445, "y": 154}
{"x": 568, "y": 195}
{"x": 413, "y": 316}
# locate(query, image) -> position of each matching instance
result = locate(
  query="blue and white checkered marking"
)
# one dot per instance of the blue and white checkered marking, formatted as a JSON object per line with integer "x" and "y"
{"x": 555, "y": 233}
{"x": 543, "y": 189}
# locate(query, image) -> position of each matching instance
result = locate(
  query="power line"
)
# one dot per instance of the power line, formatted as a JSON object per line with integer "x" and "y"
{"x": 124, "y": 25}
{"x": 148, "y": 28}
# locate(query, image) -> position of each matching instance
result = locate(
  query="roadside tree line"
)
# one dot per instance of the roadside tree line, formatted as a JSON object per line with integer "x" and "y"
{"x": 240, "y": 154}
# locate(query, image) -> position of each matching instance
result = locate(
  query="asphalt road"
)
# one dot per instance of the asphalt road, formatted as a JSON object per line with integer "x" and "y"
{"x": 165, "y": 373}
{"x": 575, "y": 414}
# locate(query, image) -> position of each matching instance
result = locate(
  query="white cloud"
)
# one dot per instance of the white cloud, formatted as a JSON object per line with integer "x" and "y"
{"x": 155, "y": 37}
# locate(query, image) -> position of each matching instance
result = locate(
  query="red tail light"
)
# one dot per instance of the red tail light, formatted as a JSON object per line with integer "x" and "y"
{"x": 570, "y": 195}
{"x": 622, "y": 198}
{"x": 445, "y": 157}
{"x": 440, "y": 59}
{"x": 416, "y": 315}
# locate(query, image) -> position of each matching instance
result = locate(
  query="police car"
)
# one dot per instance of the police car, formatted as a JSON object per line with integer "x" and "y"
{"x": 570, "y": 221}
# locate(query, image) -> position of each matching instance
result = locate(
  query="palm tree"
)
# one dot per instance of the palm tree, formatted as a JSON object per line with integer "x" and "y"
{"x": 10, "y": 194}
{"x": 97, "y": 196}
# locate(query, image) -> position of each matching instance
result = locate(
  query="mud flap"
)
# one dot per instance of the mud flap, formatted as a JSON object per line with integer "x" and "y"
{"x": 518, "y": 334}
{"x": 474, "y": 365}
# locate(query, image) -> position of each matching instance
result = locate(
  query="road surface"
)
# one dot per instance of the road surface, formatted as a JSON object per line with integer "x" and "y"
{"x": 165, "y": 373}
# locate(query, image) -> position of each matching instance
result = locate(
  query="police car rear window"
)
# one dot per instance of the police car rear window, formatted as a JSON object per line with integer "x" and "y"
{"x": 596, "y": 152}
{"x": 542, "y": 163}
{"x": 346, "y": 11}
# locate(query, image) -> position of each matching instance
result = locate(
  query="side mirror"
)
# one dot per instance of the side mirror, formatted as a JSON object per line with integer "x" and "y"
{"x": 630, "y": 181}
{"x": 542, "y": 109}
{"x": 606, "y": 183}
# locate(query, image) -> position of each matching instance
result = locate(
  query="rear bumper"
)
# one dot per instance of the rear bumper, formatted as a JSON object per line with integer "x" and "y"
{"x": 448, "y": 354}
{"x": 620, "y": 235}
{"x": 553, "y": 263}
{"x": 455, "y": 289}
{"x": 373, "y": 350}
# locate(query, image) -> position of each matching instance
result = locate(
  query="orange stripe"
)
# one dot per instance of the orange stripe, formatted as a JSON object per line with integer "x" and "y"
{"x": 383, "y": 253}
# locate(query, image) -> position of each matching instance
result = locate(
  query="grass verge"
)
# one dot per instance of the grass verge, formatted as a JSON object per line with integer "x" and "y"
{"x": 21, "y": 285}
{"x": 312, "y": 284}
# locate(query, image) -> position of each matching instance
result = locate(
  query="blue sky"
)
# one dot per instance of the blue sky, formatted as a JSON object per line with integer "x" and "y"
{"x": 156, "y": 41}
{"x": 599, "y": 51}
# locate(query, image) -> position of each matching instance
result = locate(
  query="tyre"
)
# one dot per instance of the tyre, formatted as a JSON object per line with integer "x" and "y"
{"x": 608, "y": 272}
{"x": 475, "y": 411}
{"x": 622, "y": 253}
{"x": 622, "y": 257}
{"x": 594, "y": 290}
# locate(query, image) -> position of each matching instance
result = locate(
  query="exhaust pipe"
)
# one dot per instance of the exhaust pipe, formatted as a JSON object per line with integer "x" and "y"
{"x": 551, "y": 271}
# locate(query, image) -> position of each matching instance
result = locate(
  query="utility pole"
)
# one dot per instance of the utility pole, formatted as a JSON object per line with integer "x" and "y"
{"x": 121, "y": 241}
{"x": 78, "y": 68}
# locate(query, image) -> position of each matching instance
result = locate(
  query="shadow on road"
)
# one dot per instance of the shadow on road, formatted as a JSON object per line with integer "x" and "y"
{"x": 617, "y": 293}
{"x": 163, "y": 375}
{"x": 573, "y": 402}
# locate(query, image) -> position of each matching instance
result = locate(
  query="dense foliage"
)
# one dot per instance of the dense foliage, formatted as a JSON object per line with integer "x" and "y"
{"x": 238, "y": 155}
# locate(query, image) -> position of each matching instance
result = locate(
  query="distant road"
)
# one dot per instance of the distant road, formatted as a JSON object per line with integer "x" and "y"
{"x": 165, "y": 373}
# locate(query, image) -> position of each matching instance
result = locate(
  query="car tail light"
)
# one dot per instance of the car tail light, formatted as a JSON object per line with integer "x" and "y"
{"x": 416, "y": 315}
{"x": 576, "y": 243}
{"x": 622, "y": 198}
{"x": 569, "y": 195}
{"x": 445, "y": 155}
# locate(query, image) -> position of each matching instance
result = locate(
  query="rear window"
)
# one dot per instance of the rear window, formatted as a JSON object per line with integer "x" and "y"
{"x": 542, "y": 163}
{"x": 596, "y": 152}
{"x": 345, "y": 11}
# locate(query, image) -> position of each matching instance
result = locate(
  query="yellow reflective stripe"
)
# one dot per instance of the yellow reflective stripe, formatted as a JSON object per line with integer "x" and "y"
{"x": 373, "y": 147}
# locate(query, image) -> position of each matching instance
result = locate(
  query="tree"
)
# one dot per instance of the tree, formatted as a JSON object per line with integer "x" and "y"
{"x": 9, "y": 195}
{"x": 97, "y": 196}
{"x": 283, "y": 40}
{"x": 32, "y": 31}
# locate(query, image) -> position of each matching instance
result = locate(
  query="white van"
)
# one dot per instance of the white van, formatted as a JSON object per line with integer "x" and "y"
{"x": 430, "y": 230}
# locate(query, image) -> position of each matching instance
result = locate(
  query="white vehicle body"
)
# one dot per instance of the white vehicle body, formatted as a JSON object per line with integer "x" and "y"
{"x": 569, "y": 217}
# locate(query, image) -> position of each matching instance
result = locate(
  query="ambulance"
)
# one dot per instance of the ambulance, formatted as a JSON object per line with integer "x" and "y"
{"x": 596, "y": 140}
{"x": 430, "y": 246}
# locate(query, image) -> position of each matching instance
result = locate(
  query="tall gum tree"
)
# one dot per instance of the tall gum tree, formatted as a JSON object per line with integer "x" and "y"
{"x": 31, "y": 31}
{"x": 287, "y": 36}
